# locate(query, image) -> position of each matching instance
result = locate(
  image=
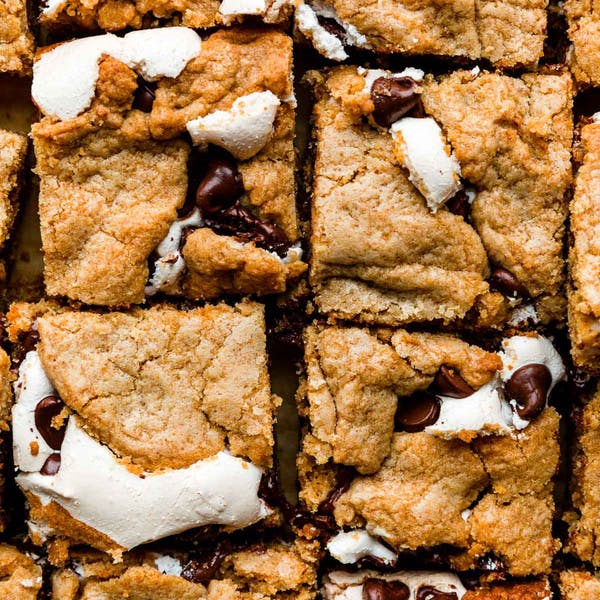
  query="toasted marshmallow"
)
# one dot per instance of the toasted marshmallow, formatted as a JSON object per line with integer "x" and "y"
{"x": 243, "y": 130}
{"x": 348, "y": 547}
{"x": 420, "y": 147}
{"x": 324, "y": 42}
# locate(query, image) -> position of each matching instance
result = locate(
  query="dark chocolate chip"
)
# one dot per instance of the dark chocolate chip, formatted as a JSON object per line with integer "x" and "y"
{"x": 503, "y": 281}
{"x": 459, "y": 204}
{"x": 491, "y": 563}
{"x": 344, "y": 478}
{"x": 394, "y": 98}
{"x": 31, "y": 339}
{"x": 379, "y": 589}
{"x": 448, "y": 382}
{"x": 332, "y": 26}
{"x": 220, "y": 187}
{"x": 529, "y": 386}
{"x": 52, "y": 465}
{"x": 205, "y": 568}
{"x": 144, "y": 96}
{"x": 46, "y": 409}
{"x": 428, "y": 592}
{"x": 417, "y": 412}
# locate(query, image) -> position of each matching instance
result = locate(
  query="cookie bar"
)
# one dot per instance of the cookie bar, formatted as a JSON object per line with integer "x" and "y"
{"x": 13, "y": 148}
{"x": 131, "y": 427}
{"x": 585, "y": 523}
{"x": 579, "y": 585}
{"x": 114, "y": 15}
{"x": 417, "y": 441}
{"x": 20, "y": 576}
{"x": 440, "y": 198}
{"x": 16, "y": 41}
{"x": 584, "y": 258}
{"x": 507, "y": 33}
{"x": 276, "y": 570}
{"x": 116, "y": 166}
{"x": 424, "y": 585}
{"x": 584, "y": 34}
{"x": 5, "y": 404}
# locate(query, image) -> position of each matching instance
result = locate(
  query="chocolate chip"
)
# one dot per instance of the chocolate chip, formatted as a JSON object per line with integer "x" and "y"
{"x": 238, "y": 221}
{"x": 379, "y": 589}
{"x": 205, "y": 568}
{"x": 428, "y": 592}
{"x": 459, "y": 204}
{"x": 52, "y": 465}
{"x": 343, "y": 480}
{"x": 332, "y": 26}
{"x": 144, "y": 96}
{"x": 503, "y": 281}
{"x": 46, "y": 409}
{"x": 491, "y": 563}
{"x": 448, "y": 382}
{"x": 394, "y": 98}
{"x": 529, "y": 386}
{"x": 220, "y": 187}
{"x": 32, "y": 337}
{"x": 417, "y": 412}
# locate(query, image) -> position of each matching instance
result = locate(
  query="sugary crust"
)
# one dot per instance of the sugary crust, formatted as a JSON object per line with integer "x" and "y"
{"x": 16, "y": 41}
{"x": 20, "y": 577}
{"x": 114, "y": 15}
{"x": 275, "y": 571}
{"x": 378, "y": 253}
{"x": 585, "y": 527}
{"x": 113, "y": 178}
{"x": 13, "y": 148}
{"x": 512, "y": 138}
{"x": 584, "y": 257}
{"x": 584, "y": 33}
{"x": 196, "y": 381}
{"x": 508, "y": 32}
{"x": 579, "y": 585}
{"x": 354, "y": 380}
{"x": 533, "y": 590}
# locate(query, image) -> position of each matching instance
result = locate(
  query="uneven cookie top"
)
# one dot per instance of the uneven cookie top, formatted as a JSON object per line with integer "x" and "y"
{"x": 579, "y": 585}
{"x": 128, "y": 137}
{"x": 584, "y": 256}
{"x": 508, "y": 33}
{"x": 114, "y": 16}
{"x": 13, "y": 148}
{"x": 16, "y": 41}
{"x": 381, "y": 255}
{"x": 20, "y": 577}
{"x": 584, "y": 30}
{"x": 586, "y": 468}
{"x": 165, "y": 387}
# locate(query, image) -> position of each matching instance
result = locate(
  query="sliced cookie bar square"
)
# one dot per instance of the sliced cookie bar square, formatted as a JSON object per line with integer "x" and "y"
{"x": 419, "y": 442}
{"x": 116, "y": 165}
{"x": 115, "y": 15}
{"x": 440, "y": 198}
{"x": 584, "y": 256}
{"x": 508, "y": 33}
{"x": 132, "y": 427}
{"x": 16, "y": 41}
{"x": 425, "y": 585}
{"x": 584, "y": 34}
{"x": 250, "y": 571}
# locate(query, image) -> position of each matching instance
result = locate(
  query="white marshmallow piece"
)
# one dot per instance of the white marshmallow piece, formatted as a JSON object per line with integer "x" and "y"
{"x": 98, "y": 490}
{"x": 420, "y": 147}
{"x": 160, "y": 52}
{"x": 348, "y": 547}
{"x": 243, "y": 130}
{"x": 31, "y": 386}
{"x": 64, "y": 79}
{"x": 233, "y": 8}
{"x": 52, "y": 6}
{"x": 324, "y": 42}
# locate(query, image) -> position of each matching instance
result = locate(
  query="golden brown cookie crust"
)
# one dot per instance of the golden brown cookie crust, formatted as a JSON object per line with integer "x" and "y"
{"x": 584, "y": 256}
{"x": 584, "y": 33}
{"x": 508, "y": 32}
{"x": 16, "y": 41}
{"x": 20, "y": 577}
{"x": 113, "y": 178}
{"x": 579, "y": 585}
